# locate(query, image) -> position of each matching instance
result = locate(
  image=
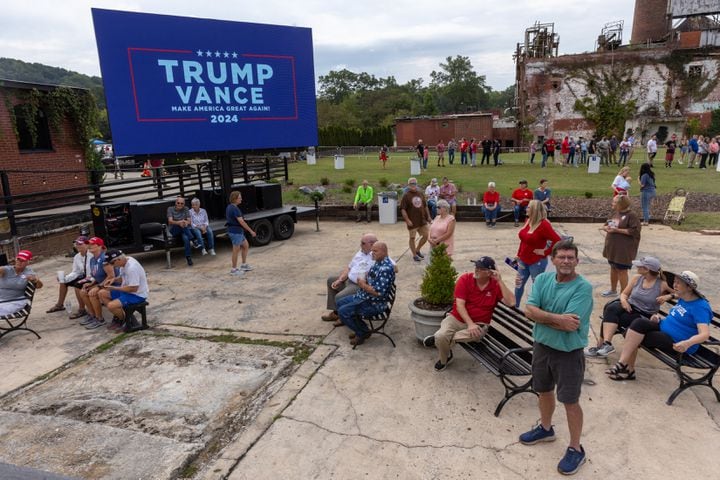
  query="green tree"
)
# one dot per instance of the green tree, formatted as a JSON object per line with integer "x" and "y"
{"x": 457, "y": 86}
{"x": 609, "y": 104}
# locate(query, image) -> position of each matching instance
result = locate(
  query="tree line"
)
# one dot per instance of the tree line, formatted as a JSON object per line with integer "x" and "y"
{"x": 353, "y": 108}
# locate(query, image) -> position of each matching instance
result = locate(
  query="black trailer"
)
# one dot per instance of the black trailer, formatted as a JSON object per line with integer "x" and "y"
{"x": 141, "y": 225}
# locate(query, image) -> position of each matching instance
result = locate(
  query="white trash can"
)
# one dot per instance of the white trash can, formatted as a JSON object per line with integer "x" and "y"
{"x": 415, "y": 166}
{"x": 387, "y": 207}
{"x": 339, "y": 162}
{"x": 594, "y": 164}
{"x": 311, "y": 159}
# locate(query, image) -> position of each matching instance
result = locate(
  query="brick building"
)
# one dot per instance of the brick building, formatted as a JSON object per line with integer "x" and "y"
{"x": 442, "y": 127}
{"x": 54, "y": 162}
{"x": 669, "y": 70}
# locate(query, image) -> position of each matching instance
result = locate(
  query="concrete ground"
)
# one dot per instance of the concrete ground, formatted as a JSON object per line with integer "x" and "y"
{"x": 239, "y": 378}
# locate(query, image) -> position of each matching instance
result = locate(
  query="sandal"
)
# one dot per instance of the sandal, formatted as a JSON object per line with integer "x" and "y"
{"x": 80, "y": 313}
{"x": 56, "y": 308}
{"x": 337, "y": 323}
{"x": 616, "y": 369}
{"x": 620, "y": 376}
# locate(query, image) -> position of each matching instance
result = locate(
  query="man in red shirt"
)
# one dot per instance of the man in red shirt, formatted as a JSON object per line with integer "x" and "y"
{"x": 476, "y": 295}
{"x": 550, "y": 148}
{"x": 464, "y": 145}
{"x": 520, "y": 199}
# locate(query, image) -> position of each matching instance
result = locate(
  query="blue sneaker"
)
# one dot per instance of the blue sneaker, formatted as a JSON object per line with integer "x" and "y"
{"x": 538, "y": 434}
{"x": 572, "y": 461}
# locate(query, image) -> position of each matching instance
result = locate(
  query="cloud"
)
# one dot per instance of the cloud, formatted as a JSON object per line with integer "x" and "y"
{"x": 405, "y": 39}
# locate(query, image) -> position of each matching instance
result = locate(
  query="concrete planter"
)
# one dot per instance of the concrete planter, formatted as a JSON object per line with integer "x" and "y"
{"x": 427, "y": 322}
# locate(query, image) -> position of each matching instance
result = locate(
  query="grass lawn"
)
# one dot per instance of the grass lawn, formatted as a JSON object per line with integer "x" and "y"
{"x": 699, "y": 221}
{"x": 573, "y": 182}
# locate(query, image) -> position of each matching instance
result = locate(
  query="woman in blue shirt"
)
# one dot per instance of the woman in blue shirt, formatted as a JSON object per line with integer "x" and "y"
{"x": 685, "y": 327}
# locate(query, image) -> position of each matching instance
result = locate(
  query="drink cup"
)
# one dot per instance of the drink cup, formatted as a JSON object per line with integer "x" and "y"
{"x": 61, "y": 276}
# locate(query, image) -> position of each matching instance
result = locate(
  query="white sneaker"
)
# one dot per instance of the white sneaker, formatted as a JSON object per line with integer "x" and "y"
{"x": 236, "y": 272}
{"x": 212, "y": 252}
{"x": 246, "y": 267}
{"x": 204, "y": 252}
{"x": 609, "y": 293}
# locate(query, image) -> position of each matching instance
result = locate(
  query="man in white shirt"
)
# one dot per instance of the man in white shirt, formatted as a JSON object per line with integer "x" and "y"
{"x": 346, "y": 283}
{"x": 651, "y": 149}
{"x": 134, "y": 288}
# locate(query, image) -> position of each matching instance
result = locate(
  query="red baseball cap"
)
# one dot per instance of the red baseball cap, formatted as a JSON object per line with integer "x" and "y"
{"x": 25, "y": 255}
{"x": 96, "y": 241}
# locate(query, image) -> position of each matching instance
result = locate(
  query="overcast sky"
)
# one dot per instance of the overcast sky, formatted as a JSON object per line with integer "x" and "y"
{"x": 406, "y": 39}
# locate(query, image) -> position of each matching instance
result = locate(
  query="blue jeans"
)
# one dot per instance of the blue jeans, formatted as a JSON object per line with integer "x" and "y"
{"x": 451, "y": 156}
{"x": 463, "y": 158}
{"x": 432, "y": 205}
{"x": 645, "y": 200}
{"x": 519, "y": 211}
{"x": 351, "y": 308}
{"x": 524, "y": 273}
{"x": 210, "y": 245}
{"x": 424, "y": 163}
{"x": 544, "y": 160}
{"x": 490, "y": 215}
{"x": 473, "y": 159}
{"x": 186, "y": 233}
{"x": 623, "y": 158}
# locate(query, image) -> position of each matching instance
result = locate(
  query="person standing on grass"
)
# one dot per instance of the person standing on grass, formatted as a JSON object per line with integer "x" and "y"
{"x": 451, "y": 147}
{"x": 647, "y": 190}
{"x": 671, "y": 145}
{"x": 384, "y": 155}
{"x": 560, "y": 305}
{"x": 426, "y": 157}
{"x": 486, "y": 145}
{"x": 236, "y": 227}
{"x": 651, "y": 149}
{"x": 440, "y": 148}
{"x": 533, "y": 149}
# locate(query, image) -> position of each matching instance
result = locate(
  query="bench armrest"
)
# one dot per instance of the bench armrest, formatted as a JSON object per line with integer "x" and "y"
{"x": 512, "y": 351}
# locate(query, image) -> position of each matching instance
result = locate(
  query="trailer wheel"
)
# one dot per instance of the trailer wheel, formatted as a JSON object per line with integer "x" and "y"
{"x": 264, "y": 230}
{"x": 284, "y": 227}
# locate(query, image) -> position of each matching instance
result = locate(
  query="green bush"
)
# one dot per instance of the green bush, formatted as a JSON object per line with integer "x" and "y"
{"x": 438, "y": 284}
{"x": 383, "y": 182}
{"x": 325, "y": 181}
{"x": 347, "y": 189}
{"x": 588, "y": 194}
{"x": 350, "y": 182}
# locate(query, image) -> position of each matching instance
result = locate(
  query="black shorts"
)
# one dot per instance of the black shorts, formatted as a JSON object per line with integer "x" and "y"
{"x": 619, "y": 266}
{"x": 654, "y": 338}
{"x": 552, "y": 367}
{"x": 77, "y": 283}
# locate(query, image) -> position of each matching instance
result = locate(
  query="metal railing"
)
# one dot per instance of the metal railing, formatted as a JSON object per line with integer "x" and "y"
{"x": 167, "y": 181}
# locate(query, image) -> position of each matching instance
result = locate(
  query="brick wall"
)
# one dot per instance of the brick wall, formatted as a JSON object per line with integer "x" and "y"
{"x": 408, "y": 131}
{"x": 63, "y": 167}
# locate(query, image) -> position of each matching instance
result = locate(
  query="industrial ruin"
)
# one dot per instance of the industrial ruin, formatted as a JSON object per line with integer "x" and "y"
{"x": 664, "y": 80}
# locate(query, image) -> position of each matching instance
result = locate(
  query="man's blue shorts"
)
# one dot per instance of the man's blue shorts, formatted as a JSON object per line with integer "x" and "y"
{"x": 126, "y": 298}
{"x": 236, "y": 238}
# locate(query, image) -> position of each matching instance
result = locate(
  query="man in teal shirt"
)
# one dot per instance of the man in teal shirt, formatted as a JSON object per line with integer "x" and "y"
{"x": 363, "y": 199}
{"x": 560, "y": 304}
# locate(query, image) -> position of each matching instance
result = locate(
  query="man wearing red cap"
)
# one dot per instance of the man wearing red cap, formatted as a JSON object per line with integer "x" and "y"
{"x": 13, "y": 280}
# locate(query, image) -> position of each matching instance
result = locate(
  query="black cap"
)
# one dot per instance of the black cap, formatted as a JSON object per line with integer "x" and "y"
{"x": 523, "y": 181}
{"x": 485, "y": 262}
{"x": 112, "y": 255}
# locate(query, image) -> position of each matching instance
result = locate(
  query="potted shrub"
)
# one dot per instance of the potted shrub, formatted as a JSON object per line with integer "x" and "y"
{"x": 436, "y": 290}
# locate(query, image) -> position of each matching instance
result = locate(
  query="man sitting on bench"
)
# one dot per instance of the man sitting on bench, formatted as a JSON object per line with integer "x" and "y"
{"x": 476, "y": 295}
{"x": 180, "y": 225}
{"x": 13, "y": 280}
{"x": 134, "y": 289}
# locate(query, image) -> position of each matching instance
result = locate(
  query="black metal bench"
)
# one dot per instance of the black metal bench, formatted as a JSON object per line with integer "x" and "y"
{"x": 18, "y": 320}
{"x": 377, "y": 322}
{"x": 704, "y": 358}
{"x": 506, "y": 351}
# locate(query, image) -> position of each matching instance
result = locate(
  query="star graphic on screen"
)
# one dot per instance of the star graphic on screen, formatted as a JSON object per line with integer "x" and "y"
{"x": 217, "y": 54}
{"x": 226, "y": 54}
{"x": 234, "y": 55}
{"x": 208, "y": 53}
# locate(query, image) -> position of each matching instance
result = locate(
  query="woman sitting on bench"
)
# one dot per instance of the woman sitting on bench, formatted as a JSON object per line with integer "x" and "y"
{"x": 641, "y": 298}
{"x": 686, "y": 326}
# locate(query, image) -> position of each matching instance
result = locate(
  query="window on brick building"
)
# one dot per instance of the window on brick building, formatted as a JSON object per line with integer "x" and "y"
{"x": 695, "y": 71}
{"x": 25, "y": 128}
